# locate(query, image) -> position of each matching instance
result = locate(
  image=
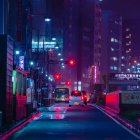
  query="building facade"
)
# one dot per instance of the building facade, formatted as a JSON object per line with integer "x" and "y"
{"x": 82, "y": 40}
{"x": 128, "y": 42}
{"x": 111, "y": 43}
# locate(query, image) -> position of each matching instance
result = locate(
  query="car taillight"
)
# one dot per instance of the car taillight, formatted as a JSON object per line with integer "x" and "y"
{"x": 82, "y": 97}
{"x": 70, "y": 98}
{"x": 85, "y": 96}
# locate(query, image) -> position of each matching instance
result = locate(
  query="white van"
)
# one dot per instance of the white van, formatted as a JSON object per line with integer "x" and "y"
{"x": 76, "y": 98}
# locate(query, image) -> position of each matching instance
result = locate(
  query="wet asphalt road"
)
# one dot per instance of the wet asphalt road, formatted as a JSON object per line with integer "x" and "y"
{"x": 61, "y": 122}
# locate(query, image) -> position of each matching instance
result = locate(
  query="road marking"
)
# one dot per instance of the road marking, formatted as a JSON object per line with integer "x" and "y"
{"x": 131, "y": 132}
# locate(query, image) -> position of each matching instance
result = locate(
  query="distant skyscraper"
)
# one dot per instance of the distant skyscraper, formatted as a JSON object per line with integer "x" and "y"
{"x": 111, "y": 42}
{"x": 48, "y": 31}
{"x": 3, "y": 17}
{"x": 82, "y": 39}
{"x": 128, "y": 47}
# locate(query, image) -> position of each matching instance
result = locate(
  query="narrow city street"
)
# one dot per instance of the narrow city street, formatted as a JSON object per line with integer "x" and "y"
{"x": 61, "y": 122}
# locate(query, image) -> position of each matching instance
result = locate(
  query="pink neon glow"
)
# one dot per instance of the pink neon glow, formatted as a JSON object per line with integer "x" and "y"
{"x": 57, "y": 109}
{"x": 58, "y": 116}
{"x": 10, "y": 132}
{"x": 95, "y": 74}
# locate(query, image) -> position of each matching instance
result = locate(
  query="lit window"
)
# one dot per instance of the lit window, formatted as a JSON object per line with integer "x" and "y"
{"x": 112, "y": 39}
{"x": 112, "y": 49}
{"x": 129, "y": 49}
{"x": 111, "y": 67}
{"x": 128, "y": 69}
{"x": 122, "y": 65}
{"x": 127, "y": 29}
{"x": 116, "y": 40}
{"x": 122, "y": 57}
{"x": 127, "y": 44}
{"x": 135, "y": 61}
{"x": 127, "y": 37}
{"x": 115, "y": 68}
{"x": 114, "y": 58}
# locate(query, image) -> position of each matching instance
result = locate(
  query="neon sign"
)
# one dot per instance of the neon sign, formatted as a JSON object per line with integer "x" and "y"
{"x": 21, "y": 62}
{"x": 95, "y": 74}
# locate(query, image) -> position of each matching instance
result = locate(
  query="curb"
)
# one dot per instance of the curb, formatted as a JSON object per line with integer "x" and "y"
{"x": 15, "y": 128}
{"x": 18, "y": 126}
{"x": 131, "y": 127}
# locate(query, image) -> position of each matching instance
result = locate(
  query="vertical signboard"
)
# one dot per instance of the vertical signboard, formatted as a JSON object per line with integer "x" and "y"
{"x": 29, "y": 96}
{"x": 21, "y": 62}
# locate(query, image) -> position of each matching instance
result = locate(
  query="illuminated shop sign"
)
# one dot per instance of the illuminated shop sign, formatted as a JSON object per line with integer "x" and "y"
{"x": 43, "y": 45}
{"x": 95, "y": 74}
{"x": 21, "y": 61}
{"x": 125, "y": 76}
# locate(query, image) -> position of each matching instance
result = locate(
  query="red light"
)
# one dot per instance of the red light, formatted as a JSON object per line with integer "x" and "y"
{"x": 82, "y": 97}
{"x": 57, "y": 76}
{"x": 68, "y": 83}
{"x": 70, "y": 98}
{"x": 76, "y": 91}
{"x": 57, "y": 109}
{"x": 71, "y": 62}
{"x": 58, "y": 116}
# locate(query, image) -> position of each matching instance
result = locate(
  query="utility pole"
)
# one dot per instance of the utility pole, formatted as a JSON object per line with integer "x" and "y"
{"x": 48, "y": 59}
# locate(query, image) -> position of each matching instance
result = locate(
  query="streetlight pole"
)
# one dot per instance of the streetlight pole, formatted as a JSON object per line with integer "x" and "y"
{"x": 48, "y": 64}
{"x": 43, "y": 57}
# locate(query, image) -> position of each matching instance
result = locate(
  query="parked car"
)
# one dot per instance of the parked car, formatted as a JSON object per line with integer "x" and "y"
{"x": 84, "y": 97}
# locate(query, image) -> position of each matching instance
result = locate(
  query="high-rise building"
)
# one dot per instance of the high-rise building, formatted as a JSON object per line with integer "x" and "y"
{"x": 128, "y": 43}
{"x": 14, "y": 21}
{"x": 47, "y": 36}
{"x": 3, "y": 8}
{"x": 14, "y": 34}
{"x": 111, "y": 43}
{"x": 6, "y": 86}
{"x": 82, "y": 40}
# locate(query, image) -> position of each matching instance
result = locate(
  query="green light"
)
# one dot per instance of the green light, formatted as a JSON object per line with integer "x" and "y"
{"x": 14, "y": 81}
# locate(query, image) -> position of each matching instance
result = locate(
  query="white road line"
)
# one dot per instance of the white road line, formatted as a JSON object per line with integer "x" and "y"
{"x": 117, "y": 121}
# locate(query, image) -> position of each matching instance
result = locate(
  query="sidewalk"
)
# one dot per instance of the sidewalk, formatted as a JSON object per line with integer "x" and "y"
{"x": 5, "y": 134}
{"x": 125, "y": 122}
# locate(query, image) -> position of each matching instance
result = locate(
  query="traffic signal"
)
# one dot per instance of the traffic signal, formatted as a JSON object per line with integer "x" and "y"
{"x": 57, "y": 76}
{"x": 68, "y": 83}
{"x": 71, "y": 62}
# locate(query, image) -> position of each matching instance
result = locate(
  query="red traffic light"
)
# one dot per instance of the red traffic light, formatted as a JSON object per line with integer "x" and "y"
{"x": 68, "y": 83}
{"x": 57, "y": 76}
{"x": 71, "y": 62}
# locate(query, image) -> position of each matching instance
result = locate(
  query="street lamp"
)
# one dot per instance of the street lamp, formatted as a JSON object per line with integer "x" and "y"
{"x": 31, "y": 63}
{"x": 53, "y": 38}
{"x": 56, "y": 47}
{"x": 59, "y": 54}
{"x": 16, "y": 57}
{"x": 63, "y": 66}
{"x": 47, "y": 19}
{"x": 17, "y": 52}
{"x": 61, "y": 59}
